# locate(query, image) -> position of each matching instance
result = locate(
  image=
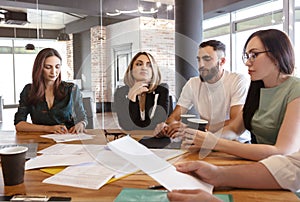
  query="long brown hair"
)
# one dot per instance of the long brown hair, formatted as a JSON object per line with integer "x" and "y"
{"x": 37, "y": 91}
{"x": 156, "y": 76}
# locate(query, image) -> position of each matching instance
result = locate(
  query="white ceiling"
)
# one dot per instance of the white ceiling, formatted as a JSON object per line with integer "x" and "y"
{"x": 56, "y": 14}
{"x": 43, "y": 19}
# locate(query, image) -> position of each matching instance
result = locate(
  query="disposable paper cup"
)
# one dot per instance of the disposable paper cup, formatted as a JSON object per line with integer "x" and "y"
{"x": 184, "y": 117}
{"x": 198, "y": 124}
{"x": 13, "y": 164}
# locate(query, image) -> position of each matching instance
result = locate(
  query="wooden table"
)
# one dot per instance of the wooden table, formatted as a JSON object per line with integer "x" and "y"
{"x": 33, "y": 178}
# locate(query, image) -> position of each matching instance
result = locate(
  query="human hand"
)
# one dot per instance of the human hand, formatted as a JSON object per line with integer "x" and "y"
{"x": 189, "y": 136}
{"x": 160, "y": 130}
{"x": 191, "y": 196}
{"x": 58, "y": 129}
{"x": 176, "y": 129}
{"x": 194, "y": 139}
{"x": 204, "y": 171}
{"x": 78, "y": 128}
{"x": 137, "y": 89}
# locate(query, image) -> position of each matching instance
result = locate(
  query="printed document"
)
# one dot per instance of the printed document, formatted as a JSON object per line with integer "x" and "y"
{"x": 157, "y": 168}
{"x": 89, "y": 175}
{"x": 68, "y": 137}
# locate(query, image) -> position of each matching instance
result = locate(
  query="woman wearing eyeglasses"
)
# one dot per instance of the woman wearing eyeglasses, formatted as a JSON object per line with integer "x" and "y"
{"x": 272, "y": 109}
{"x": 143, "y": 102}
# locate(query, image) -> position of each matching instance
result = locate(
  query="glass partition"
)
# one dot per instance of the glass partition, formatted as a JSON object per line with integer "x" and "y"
{"x": 18, "y": 64}
{"x": 244, "y": 22}
{"x": 102, "y": 45}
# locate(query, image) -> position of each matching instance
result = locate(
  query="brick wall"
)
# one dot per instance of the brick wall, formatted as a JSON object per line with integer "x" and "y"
{"x": 158, "y": 37}
{"x": 100, "y": 74}
{"x": 70, "y": 65}
{"x": 155, "y": 36}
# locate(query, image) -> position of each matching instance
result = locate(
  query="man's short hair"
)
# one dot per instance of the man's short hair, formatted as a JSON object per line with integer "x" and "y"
{"x": 217, "y": 45}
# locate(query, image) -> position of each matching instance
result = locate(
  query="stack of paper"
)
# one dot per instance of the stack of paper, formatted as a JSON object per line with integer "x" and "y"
{"x": 89, "y": 175}
{"x": 90, "y": 166}
{"x": 159, "y": 169}
{"x": 68, "y": 137}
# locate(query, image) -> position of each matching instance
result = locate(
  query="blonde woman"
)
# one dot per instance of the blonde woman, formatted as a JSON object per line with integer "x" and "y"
{"x": 143, "y": 102}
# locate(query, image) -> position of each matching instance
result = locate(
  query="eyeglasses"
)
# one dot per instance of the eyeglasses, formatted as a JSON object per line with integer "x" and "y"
{"x": 252, "y": 56}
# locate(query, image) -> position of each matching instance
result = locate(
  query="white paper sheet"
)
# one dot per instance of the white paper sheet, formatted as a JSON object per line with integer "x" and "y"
{"x": 156, "y": 167}
{"x": 90, "y": 176}
{"x": 90, "y": 166}
{"x": 63, "y": 149}
{"x": 8, "y": 136}
{"x": 100, "y": 153}
{"x": 122, "y": 167}
{"x": 43, "y": 161}
{"x": 68, "y": 137}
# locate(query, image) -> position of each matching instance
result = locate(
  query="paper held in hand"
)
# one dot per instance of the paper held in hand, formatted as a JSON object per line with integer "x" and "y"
{"x": 159, "y": 169}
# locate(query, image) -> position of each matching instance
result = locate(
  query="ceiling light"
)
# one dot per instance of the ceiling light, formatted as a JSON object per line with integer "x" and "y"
{"x": 151, "y": 11}
{"x": 169, "y": 7}
{"x": 127, "y": 12}
{"x": 63, "y": 37}
{"x": 3, "y": 10}
{"x": 113, "y": 14}
{"x": 140, "y": 9}
{"x": 30, "y": 46}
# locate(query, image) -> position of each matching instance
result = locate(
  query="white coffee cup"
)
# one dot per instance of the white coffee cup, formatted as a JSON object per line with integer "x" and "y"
{"x": 199, "y": 124}
{"x": 185, "y": 117}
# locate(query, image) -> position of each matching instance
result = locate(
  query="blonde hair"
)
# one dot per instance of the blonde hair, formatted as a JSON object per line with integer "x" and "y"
{"x": 156, "y": 76}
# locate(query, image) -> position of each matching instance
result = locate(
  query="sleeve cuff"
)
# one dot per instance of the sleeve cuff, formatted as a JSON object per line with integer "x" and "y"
{"x": 84, "y": 123}
{"x": 284, "y": 171}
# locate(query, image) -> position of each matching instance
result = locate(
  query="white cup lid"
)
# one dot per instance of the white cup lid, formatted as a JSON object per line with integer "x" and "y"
{"x": 13, "y": 150}
{"x": 187, "y": 115}
{"x": 200, "y": 121}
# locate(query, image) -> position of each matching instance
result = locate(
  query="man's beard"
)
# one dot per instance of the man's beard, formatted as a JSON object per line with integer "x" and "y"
{"x": 212, "y": 72}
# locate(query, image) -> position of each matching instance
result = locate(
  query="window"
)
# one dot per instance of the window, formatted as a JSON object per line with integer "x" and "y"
{"x": 122, "y": 57}
{"x": 297, "y": 39}
{"x": 7, "y": 72}
{"x": 243, "y": 23}
{"x": 16, "y": 67}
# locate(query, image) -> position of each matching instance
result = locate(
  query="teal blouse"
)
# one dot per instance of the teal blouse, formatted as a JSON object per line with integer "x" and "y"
{"x": 267, "y": 120}
{"x": 67, "y": 111}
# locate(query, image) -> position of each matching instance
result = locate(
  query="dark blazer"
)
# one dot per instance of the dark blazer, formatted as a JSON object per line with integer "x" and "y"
{"x": 129, "y": 112}
{"x": 68, "y": 111}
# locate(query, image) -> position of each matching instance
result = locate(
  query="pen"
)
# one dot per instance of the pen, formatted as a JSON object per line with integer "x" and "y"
{"x": 62, "y": 127}
{"x": 156, "y": 187}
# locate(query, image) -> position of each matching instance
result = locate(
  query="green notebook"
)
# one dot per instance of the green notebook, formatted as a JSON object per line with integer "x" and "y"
{"x": 297, "y": 194}
{"x": 150, "y": 195}
{"x": 138, "y": 195}
{"x": 225, "y": 197}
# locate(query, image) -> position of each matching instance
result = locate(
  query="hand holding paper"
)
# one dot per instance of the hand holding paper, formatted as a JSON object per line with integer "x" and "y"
{"x": 159, "y": 169}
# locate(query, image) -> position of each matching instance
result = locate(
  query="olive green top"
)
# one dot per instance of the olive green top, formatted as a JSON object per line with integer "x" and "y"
{"x": 268, "y": 118}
